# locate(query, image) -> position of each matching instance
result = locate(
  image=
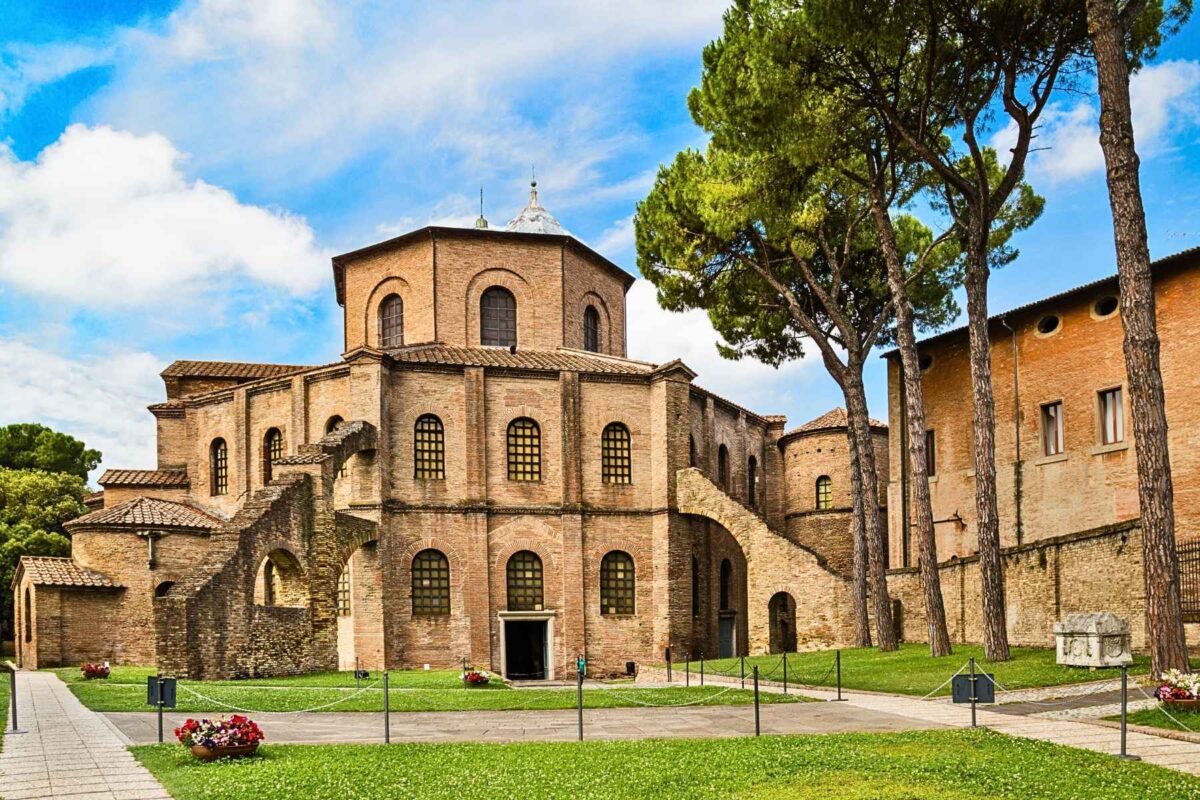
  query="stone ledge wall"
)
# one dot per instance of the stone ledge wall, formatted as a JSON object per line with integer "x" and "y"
{"x": 1093, "y": 570}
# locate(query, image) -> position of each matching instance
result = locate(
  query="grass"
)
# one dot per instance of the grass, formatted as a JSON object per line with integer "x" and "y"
{"x": 5, "y": 677}
{"x": 1155, "y": 718}
{"x": 927, "y": 765}
{"x": 911, "y": 670}
{"x": 415, "y": 690}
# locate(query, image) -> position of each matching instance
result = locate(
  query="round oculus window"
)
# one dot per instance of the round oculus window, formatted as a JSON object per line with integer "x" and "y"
{"x": 924, "y": 361}
{"x": 1049, "y": 324}
{"x": 1106, "y": 306}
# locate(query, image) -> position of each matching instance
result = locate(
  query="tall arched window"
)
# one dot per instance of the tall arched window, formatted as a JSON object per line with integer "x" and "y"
{"x": 344, "y": 606}
{"x": 270, "y": 583}
{"x": 498, "y": 317}
{"x": 524, "y": 450}
{"x": 429, "y": 449}
{"x": 162, "y": 589}
{"x": 391, "y": 321}
{"x": 617, "y": 583}
{"x": 615, "y": 460}
{"x": 524, "y": 580}
{"x": 726, "y": 579}
{"x": 330, "y": 425}
{"x": 752, "y": 481}
{"x": 591, "y": 329}
{"x": 272, "y": 451}
{"x": 430, "y": 584}
{"x": 692, "y": 459}
{"x": 723, "y": 467}
{"x": 218, "y": 467}
{"x": 28, "y": 615}
{"x": 824, "y": 492}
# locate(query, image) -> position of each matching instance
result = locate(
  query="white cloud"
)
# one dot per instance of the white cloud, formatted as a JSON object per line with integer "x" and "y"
{"x": 659, "y": 336}
{"x": 100, "y": 400}
{"x": 104, "y": 217}
{"x": 618, "y": 239}
{"x": 1164, "y": 99}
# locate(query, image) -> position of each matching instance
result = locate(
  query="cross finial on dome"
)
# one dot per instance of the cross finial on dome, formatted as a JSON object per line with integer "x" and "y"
{"x": 481, "y": 222}
{"x": 533, "y": 198}
{"x": 533, "y": 218}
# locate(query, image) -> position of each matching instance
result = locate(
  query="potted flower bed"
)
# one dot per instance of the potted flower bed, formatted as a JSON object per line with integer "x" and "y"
{"x": 1180, "y": 690}
{"x": 92, "y": 672}
{"x": 223, "y": 738}
{"x": 476, "y": 677}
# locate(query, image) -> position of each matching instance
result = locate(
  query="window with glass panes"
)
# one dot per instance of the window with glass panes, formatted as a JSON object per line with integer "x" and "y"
{"x": 343, "y": 593}
{"x": 591, "y": 329}
{"x": 824, "y": 492}
{"x": 498, "y": 318}
{"x": 617, "y": 583}
{"x": 272, "y": 452}
{"x": 930, "y": 454}
{"x": 391, "y": 321}
{"x": 1112, "y": 416}
{"x": 218, "y": 463}
{"x": 615, "y": 459}
{"x": 524, "y": 450}
{"x": 430, "y": 584}
{"x": 524, "y": 580}
{"x": 429, "y": 449}
{"x": 1052, "y": 428}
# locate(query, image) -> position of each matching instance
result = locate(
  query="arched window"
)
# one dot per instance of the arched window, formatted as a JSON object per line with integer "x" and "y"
{"x": 391, "y": 321}
{"x": 429, "y": 449}
{"x": 723, "y": 467}
{"x": 726, "y": 579}
{"x": 162, "y": 589}
{"x": 617, "y": 583}
{"x": 591, "y": 329}
{"x": 344, "y": 609}
{"x": 218, "y": 465}
{"x": 695, "y": 586}
{"x": 430, "y": 584}
{"x": 692, "y": 451}
{"x": 28, "y": 615}
{"x": 330, "y": 425}
{"x": 524, "y": 580}
{"x": 752, "y": 482}
{"x": 824, "y": 492}
{"x": 615, "y": 460}
{"x": 524, "y": 450}
{"x": 498, "y": 318}
{"x": 270, "y": 583}
{"x": 272, "y": 451}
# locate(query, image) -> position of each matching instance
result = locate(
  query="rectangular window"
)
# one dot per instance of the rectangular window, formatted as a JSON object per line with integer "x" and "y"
{"x": 1112, "y": 416}
{"x": 930, "y": 454}
{"x": 1052, "y": 429}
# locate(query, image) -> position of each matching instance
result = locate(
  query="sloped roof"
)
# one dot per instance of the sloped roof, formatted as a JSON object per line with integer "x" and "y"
{"x": 834, "y": 419}
{"x": 535, "y": 219}
{"x": 227, "y": 369}
{"x": 48, "y": 571}
{"x": 148, "y": 512}
{"x": 549, "y": 360}
{"x": 157, "y": 478}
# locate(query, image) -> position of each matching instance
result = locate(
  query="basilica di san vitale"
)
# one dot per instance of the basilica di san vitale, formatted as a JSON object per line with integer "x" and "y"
{"x": 485, "y": 475}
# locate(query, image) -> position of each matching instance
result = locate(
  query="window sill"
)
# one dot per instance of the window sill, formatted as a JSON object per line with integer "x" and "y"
{"x": 618, "y": 616}
{"x": 1054, "y": 459}
{"x": 933, "y": 478}
{"x": 1115, "y": 447}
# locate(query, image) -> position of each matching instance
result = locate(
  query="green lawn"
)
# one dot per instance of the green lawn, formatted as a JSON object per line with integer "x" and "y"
{"x": 911, "y": 670}
{"x": 1155, "y": 718}
{"x": 929, "y": 765}
{"x": 416, "y": 690}
{"x": 5, "y": 722}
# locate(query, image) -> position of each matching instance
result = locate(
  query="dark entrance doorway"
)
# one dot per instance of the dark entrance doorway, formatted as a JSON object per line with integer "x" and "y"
{"x": 782, "y": 612}
{"x": 726, "y": 626}
{"x": 525, "y": 650}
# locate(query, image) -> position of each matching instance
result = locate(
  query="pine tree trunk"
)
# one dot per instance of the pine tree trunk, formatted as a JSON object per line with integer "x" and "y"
{"x": 1164, "y": 615}
{"x": 931, "y": 583}
{"x": 858, "y": 534}
{"x": 859, "y": 420}
{"x": 991, "y": 570}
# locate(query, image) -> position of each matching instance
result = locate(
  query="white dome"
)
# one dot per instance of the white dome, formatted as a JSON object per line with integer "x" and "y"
{"x": 535, "y": 219}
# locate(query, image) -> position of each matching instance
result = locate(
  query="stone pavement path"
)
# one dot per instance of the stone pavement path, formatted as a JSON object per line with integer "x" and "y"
{"x": 67, "y": 751}
{"x": 512, "y": 726}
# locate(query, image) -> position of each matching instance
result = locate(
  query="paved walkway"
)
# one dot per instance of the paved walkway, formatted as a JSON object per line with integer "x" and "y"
{"x": 546, "y": 726}
{"x": 67, "y": 751}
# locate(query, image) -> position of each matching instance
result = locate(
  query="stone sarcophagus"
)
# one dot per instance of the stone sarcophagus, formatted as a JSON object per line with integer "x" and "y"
{"x": 1093, "y": 639}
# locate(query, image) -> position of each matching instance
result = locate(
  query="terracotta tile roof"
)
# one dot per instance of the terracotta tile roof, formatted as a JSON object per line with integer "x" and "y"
{"x": 227, "y": 369}
{"x": 148, "y": 512}
{"x": 549, "y": 360}
{"x": 47, "y": 571}
{"x": 94, "y": 500}
{"x": 830, "y": 420}
{"x": 302, "y": 458}
{"x": 160, "y": 478}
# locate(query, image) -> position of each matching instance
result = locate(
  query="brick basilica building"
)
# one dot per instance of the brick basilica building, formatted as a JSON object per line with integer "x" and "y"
{"x": 484, "y": 474}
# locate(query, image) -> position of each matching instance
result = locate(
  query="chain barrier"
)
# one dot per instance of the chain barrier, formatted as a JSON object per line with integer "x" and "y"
{"x": 232, "y": 707}
{"x": 700, "y": 701}
{"x": 946, "y": 682}
{"x": 1108, "y": 686}
{"x": 1163, "y": 708}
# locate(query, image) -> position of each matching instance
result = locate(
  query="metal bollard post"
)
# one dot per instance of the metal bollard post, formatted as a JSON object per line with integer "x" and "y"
{"x": 839, "y": 698}
{"x": 159, "y": 680}
{"x": 1124, "y": 708}
{"x": 701, "y": 667}
{"x": 757, "y": 725}
{"x": 579, "y": 703}
{"x": 973, "y": 680}
{"x": 12, "y": 670}
{"x": 687, "y": 669}
{"x": 387, "y": 711}
{"x": 357, "y": 672}
{"x": 785, "y": 671}
{"x": 743, "y": 658}
{"x": 668, "y": 665}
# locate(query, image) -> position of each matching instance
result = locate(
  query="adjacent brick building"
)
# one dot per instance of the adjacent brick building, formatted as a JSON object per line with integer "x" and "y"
{"x": 483, "y": 475}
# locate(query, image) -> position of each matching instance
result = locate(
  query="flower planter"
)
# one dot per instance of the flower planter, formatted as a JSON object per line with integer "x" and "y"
{"x": 1183, "y": 705}
{"x": 213, "y": 753}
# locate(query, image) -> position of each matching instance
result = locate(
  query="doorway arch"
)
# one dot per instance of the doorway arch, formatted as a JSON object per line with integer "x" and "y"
{"x": 359, "y": 608}
{"x": 782, "y": 613}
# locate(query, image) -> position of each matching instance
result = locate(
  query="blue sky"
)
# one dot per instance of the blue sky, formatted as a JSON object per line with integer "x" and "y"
{"x": 174, "y": 178}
